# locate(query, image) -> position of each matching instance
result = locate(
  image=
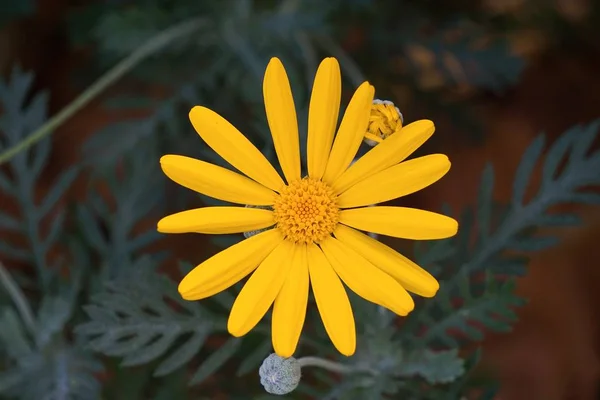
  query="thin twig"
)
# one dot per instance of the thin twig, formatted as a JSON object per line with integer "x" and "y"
{"x": 150, "y": 47}
{"x": 18, "y": 298}
{"x": 333, "y": 366}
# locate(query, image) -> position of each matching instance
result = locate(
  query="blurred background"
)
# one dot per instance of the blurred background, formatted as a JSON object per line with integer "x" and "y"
{"x": 491, "y": 74}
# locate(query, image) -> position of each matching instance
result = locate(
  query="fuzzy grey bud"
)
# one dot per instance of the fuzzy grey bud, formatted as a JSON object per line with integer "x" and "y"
{"x": 279, "y": 375}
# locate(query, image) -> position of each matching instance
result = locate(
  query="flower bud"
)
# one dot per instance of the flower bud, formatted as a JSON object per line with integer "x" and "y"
{"x": 279, "y": 375}
{"x": 385, "y": 120}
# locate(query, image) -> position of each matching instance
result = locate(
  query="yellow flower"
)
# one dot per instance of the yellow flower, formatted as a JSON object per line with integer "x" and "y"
{"x": 316, "y": 220}
{"x": 385, "y": 120}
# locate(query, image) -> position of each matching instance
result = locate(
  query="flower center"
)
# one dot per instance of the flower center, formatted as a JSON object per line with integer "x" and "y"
{"x": 306, "y": 211}
{"x": 385, "y": 119}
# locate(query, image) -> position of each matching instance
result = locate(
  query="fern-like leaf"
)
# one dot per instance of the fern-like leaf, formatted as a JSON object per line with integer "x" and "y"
{"x": 136, "y": 190}
{"x": 468, "y": 302}
{"x": 20, "y": 117}
{"x": 142, "y": 318}
{"x": 61, "y": 371}
{"x": 435, "y": 367}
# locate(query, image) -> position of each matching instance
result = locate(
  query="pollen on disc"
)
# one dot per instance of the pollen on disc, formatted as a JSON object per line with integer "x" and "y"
{"x": 306, "y": 211}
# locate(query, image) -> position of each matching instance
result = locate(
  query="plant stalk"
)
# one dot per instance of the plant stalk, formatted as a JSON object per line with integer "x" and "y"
{"x": 18, "y": 298}
{"x": 153, "y": 45}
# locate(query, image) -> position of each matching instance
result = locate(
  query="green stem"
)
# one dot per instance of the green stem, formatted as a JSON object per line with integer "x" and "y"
{"x": 333, "y": 366}
{"x": 150, "y": 47}
{"x": 18, "y": 298}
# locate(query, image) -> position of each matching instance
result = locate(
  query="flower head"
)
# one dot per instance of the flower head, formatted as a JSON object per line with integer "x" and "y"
{"x": 306, "y": 230}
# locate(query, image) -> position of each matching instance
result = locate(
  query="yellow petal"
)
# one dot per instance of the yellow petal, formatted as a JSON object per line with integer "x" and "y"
{"x": 351, "y": 132}
{"x": 391, "y": 151}
{"x": 281, "y": 114}
{"x": 323, "y": 115}
{"x": 400, "y": 222}
{"x": 260, "y": 291}
{"x": 229, "y": 266}
{"x": 332, "y": 302}
{"x": 366, "y": 280}
{"x": 412, "y": 277}
{"x": 214, "y": 181}
{"x": 234, "y": 147}
{"x": 217, "y": 220}
{"x": 400, "y": 180}
{"x": 289, "y": 310}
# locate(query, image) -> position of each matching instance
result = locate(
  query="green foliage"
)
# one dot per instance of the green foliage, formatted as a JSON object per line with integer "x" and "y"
{"x": 136, "y": 26}
{"x": 37, "y": 346}
{"x": 42, "y": 365}
{"x": 111, "y": 227}
{"x": 135, "y": 318}
{"x": 21, "y": 116}
{"x": 106, "y": 295}
{"x": 479, "y": 293}
{"x": 221, "y": 66}
{"x": 39, "y": 351}
{"x": 386, "y": 363}
{"x": 463, "y": 309}
{"x": 435, "y": 367}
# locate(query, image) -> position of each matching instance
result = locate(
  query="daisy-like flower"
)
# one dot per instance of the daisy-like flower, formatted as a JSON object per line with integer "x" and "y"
{"x": 316, "y": 220}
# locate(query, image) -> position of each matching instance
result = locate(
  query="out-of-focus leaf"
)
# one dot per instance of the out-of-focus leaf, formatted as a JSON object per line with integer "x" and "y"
{"x": 215, "y": 360}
